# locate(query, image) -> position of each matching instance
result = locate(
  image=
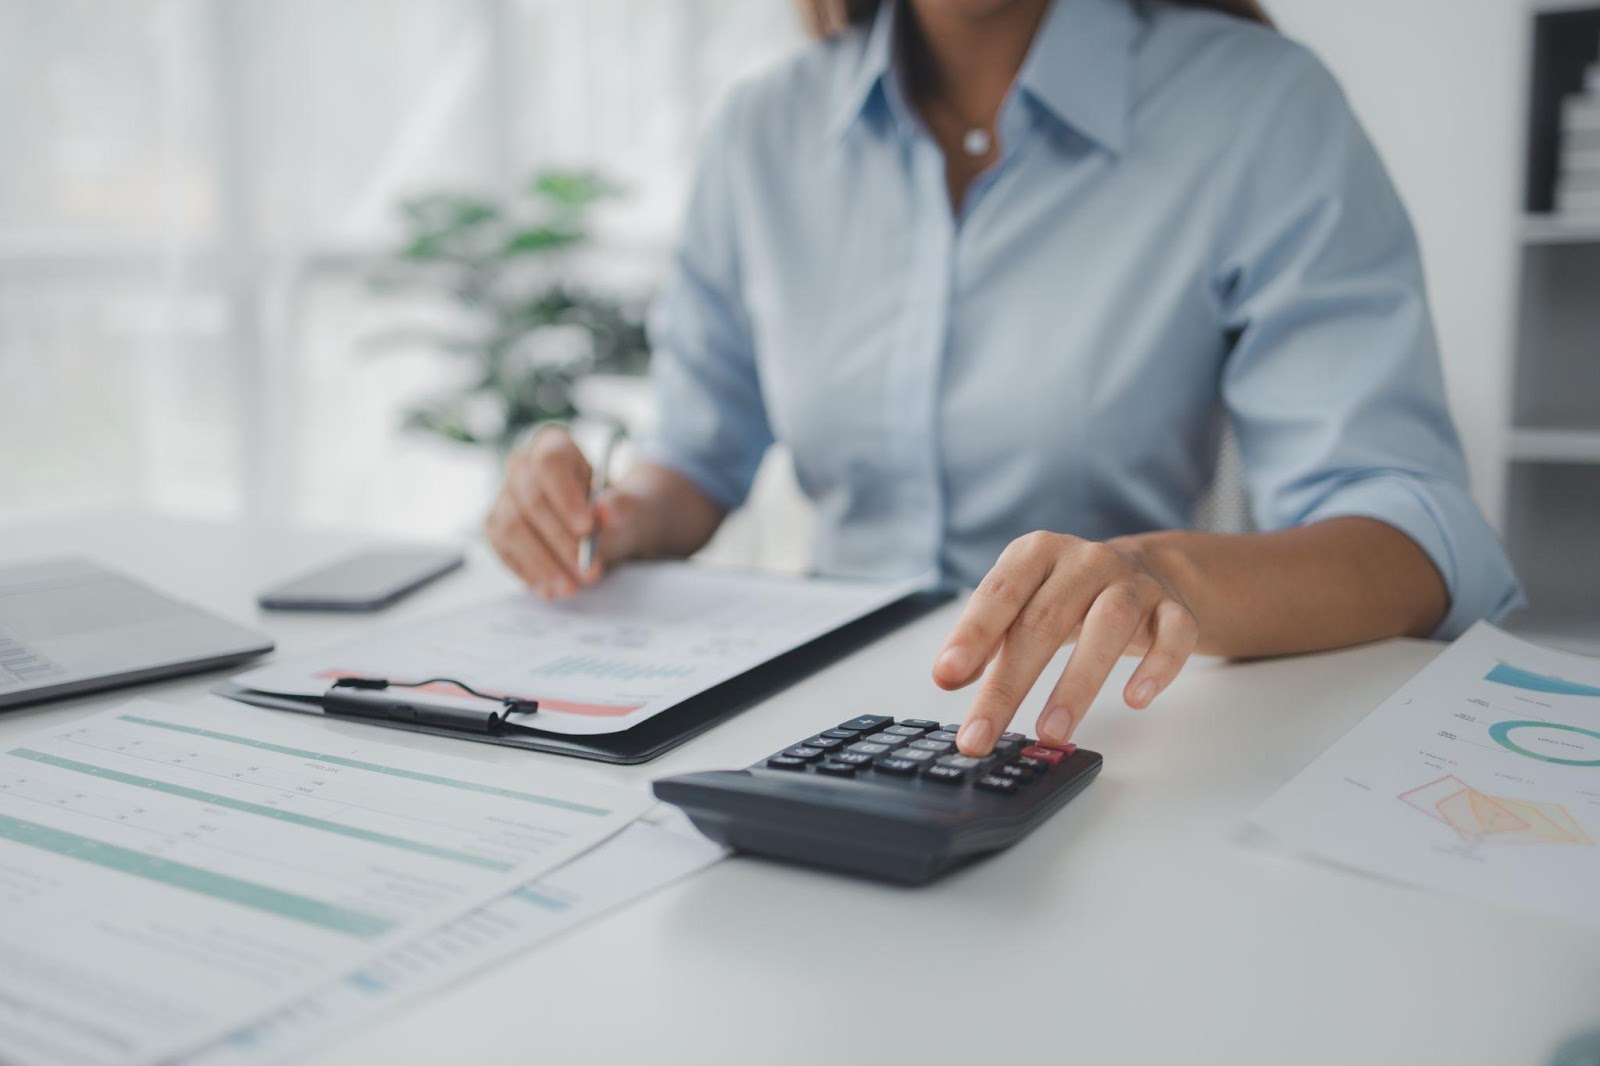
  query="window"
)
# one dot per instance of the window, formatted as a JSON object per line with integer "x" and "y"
{"x": 198, "y": 190}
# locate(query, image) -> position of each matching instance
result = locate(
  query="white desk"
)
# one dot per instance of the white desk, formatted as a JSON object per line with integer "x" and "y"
{"x": 1134, "y": 927}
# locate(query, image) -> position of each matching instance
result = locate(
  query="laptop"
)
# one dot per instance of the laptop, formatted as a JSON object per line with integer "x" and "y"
{"x": 69, "y": 626}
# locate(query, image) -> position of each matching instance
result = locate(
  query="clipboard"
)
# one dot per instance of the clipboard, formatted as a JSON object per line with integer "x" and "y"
{"x": 661, "y": 733}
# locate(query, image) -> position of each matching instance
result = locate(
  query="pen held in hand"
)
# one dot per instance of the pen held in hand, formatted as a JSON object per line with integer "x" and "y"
{"x": 600, "y": 480}
{"x": 585, "y": 555}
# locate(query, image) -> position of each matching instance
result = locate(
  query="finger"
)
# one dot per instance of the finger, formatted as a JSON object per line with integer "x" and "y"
{"x": 496, "y": 529}
{"x": 1007, "y": 588}
{"x": 1175, "y": 635}
{"x": 540, "y": 515}
{"x": 1116, "y": 617}
{"x": 504, "y": 529}
{"x": 616, "y": 523}
{"x": 1032, "y": 641}
{"x": 562, "y": 473}
{"x": 523, "y": 551}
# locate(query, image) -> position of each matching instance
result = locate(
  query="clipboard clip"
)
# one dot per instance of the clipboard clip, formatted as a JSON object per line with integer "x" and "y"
{"x": 359, "y": 698}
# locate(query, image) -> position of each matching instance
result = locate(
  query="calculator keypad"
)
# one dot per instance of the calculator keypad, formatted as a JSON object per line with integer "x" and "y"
{"x": 874, "y": 747}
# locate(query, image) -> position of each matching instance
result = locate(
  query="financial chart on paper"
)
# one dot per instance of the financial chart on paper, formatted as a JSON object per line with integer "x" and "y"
{"x": 169, "y": 872}
{"x": 1481, "y": 776}
{"x": 647, "y": 637}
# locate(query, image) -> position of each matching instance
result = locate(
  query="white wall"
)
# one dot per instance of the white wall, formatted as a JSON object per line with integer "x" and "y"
{"x": 1440, "y": 87}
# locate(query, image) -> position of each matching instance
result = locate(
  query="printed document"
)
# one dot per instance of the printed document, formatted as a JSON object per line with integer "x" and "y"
{"x": 650, "y": 853}
{"x": 1480, "y": 777}
{"x": 644, "y": 639}
{"x": 171, "y": 873}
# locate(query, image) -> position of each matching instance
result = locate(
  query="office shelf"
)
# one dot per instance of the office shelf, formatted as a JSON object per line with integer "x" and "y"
{"x": 1530, "y": 445}
{"x": 1552, "y": 474}
{"x": 1554, "y": 229}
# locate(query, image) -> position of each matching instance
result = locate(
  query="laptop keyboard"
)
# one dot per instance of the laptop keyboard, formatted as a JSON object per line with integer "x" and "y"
{"x": 20, "y": 664}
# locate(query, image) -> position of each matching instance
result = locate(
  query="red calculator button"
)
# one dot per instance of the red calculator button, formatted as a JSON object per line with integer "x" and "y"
{"x": 1065, "y": 749}
{"x": 1053, "y": 756}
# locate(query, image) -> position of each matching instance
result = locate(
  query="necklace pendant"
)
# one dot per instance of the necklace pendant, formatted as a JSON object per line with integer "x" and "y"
{"x": 976, "y": 142}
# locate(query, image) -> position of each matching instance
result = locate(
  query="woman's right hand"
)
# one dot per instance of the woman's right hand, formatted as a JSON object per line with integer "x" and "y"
{"x": 544, "y": 511}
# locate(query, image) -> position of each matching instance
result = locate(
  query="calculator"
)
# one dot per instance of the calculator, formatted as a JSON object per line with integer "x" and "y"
{"x": 893, "y": 800}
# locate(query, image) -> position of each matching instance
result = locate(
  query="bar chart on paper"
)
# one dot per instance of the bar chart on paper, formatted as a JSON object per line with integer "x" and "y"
{"x": 1480, "y": 777}
{"x": 167, "y": 873}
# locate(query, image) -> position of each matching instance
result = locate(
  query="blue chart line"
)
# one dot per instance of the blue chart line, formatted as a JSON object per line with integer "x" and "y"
{"x": 610, "y": 669}
{"x": 1527, "y": 679}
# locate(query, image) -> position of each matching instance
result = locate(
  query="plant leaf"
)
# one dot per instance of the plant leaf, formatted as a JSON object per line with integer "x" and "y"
{"x": 572, "y": 188}
{"x": 536, "y": 240}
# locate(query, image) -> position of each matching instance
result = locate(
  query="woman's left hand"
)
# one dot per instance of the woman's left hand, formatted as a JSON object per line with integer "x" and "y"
{"x": 1045, "y": 590}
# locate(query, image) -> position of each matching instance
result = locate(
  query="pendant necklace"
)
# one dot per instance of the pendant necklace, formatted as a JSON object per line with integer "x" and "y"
{"x": 976, "y": 141}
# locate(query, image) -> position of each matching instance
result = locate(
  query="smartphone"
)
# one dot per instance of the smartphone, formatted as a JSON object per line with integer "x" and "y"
{"x": 366, "y": 581}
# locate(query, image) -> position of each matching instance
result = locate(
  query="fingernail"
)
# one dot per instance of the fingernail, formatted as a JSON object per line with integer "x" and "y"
{"x": 1144, "y": 693}
{"x": 955, "y": 661}
{"x": 1055, "y": 724}
{"x": 976, "y": 737}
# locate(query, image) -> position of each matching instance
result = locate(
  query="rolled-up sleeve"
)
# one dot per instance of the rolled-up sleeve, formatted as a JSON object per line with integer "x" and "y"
{"x": 711, "y": 422}
{"x": 1332, "y": 380}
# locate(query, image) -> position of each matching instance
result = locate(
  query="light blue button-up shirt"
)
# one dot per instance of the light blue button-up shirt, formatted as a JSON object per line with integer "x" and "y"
{"x": 1186, "y": 224}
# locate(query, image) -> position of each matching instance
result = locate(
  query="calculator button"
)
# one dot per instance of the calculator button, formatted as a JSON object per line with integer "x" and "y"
{"x": 891, "y": 739}
{"x": 784, "y": 762}
{"x": 938, "y": 747}
{"x": 1020, "y": 738}
{"x": 916, "y": 755}
{"x": 994, "y": 783}
{"x": 825, "y": 743}
{"x": 940, "y": 734}
{"x": 803, "y": 753}
{"x": 1065, "y": 749}
{"x": 836, "y": 769}
{"x": 1008, "y": 745}
{"x": 841, "y": 734}
{"x": 852, "y": 758}
{"x": 945, "y": 775}
{"x": 951, "y": 727}
{"x": 903, "y": 730}
{"x": 960, "y": 762}
{"x": 1033, "y": 766}
{"x": 867, "y": 748}
{"x": 1044, "y": 754}
{"x": 1020, "y": 774}
{"x": 896, "y": 767}
{"x": 919, "y": 723}
{"x": 867, "y": 723}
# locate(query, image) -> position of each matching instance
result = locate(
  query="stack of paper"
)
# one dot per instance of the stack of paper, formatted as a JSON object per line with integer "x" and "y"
{"x": 172, "y": 875}
{"x": 656, "y": 850}
{"x": 1480, "y": 777}
{"x": 1578, "y": 181}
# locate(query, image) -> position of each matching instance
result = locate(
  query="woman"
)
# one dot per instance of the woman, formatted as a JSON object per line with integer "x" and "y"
{"x": 995, "y": 270}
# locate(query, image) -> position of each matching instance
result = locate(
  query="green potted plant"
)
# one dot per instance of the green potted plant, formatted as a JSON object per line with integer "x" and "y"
{"x": 525, "y": 331}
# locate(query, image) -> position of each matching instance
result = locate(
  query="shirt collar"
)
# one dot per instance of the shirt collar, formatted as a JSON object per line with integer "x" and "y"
{"x": 1079, "y": 69}
{"x": 872, "y": 64}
